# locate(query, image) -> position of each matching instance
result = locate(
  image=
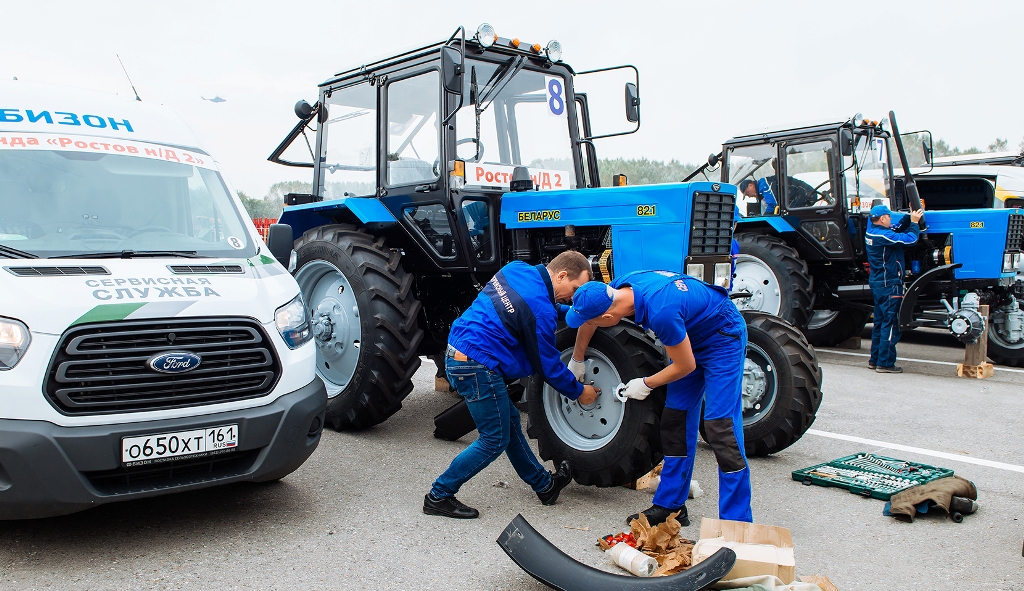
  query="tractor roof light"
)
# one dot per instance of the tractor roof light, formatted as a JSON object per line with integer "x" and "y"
{"x": 553, "y": 51}
{"x": 486, "y": 35}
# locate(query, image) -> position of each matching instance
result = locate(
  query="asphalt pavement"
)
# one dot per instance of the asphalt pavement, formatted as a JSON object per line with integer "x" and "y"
{"x": 351, "y": 517}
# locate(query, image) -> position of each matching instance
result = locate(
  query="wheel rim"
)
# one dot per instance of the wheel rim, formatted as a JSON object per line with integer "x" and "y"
{"x": 760, "y": 386}
{"x": 755, "y": 277}
{"x": 821, "y": 318}
{"x": 996, "y": 331}
{"x": 334, "y": 318}
{"x": 592, "y": 427}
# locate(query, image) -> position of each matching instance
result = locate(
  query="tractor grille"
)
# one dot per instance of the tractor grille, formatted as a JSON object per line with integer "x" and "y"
{"x": 1015, "y": 233}
{"x": 102, "y": 368}
{"x": 712, "y": 223}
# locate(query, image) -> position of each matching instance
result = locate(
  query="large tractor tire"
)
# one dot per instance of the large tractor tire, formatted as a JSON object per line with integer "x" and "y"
{"x": 776, "y": 277}
{"x": 364, "y": 320}
{"x": 828, "y": 328}
{"x": 781, "y": 385}
{"x": 608, "y": 443}
{"x": 1001, "y": 348}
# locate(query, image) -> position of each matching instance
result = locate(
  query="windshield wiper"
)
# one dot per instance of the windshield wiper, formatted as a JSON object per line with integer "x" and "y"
{"x": 14, "y": 253}
{"x": 131, "y": 254}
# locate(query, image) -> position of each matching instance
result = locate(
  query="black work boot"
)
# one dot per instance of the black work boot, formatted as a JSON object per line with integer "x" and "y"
{"x": 559, "y": 480}
{"x": 448, "y": 507}
{"x": 890, "y": 369}
{"x": 657, "y": 515}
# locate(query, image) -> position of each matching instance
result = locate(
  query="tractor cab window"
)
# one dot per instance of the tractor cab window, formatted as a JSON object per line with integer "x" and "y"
{"x": 512, "y": 116}
{"x": 413, "y": 139}
{"x": 753, "y": 170}
{"x": 868, "y": 177}
{"x": 809, "y": 169}
{"x": 431, "y": 220}
{"x": 349, "y": 158}
{"x": 478, "y": 223}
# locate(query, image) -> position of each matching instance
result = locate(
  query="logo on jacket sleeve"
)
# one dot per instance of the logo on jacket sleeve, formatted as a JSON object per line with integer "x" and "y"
{"x": 174, "y": 362}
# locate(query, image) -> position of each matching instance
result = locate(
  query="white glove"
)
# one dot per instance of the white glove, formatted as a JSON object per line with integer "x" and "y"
{"x": 578, "y": 368}
{"x": 636, "y": 389}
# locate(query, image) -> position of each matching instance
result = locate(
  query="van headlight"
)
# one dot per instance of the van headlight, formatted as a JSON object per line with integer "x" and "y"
{"x": 14, "y": 341}
{"x": 293, "y": 324}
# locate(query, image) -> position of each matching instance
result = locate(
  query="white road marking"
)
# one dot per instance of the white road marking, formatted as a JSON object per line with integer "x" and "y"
{"x": 918, "y": 450}
{"x": 997, "y": 368}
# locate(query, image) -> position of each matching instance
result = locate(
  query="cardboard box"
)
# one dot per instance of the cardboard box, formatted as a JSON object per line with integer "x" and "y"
{"x": 760, "y": 549}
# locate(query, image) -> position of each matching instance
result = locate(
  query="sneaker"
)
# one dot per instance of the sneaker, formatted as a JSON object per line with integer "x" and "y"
{"x": 559, "y": 480}
{"x": 871, "y": 365}
{"x": 890, "y": 369}
{"x": 657, "y": 515}
{"x": 448, "y": 507}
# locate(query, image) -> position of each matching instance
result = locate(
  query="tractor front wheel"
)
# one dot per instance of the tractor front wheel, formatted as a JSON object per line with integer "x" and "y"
{"x": 776, "y": 278}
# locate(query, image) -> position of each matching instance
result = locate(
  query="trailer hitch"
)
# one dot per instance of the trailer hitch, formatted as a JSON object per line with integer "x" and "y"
{"x": 543, "y": 561}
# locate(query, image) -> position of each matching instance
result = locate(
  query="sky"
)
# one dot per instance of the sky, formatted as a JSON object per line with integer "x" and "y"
{"x": 708, "y": 70}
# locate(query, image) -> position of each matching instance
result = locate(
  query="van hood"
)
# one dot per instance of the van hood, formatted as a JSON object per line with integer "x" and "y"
{"x": 52, "y": 295}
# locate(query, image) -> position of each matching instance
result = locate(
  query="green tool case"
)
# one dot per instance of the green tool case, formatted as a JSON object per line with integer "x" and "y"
{"x": 870, "y": 475}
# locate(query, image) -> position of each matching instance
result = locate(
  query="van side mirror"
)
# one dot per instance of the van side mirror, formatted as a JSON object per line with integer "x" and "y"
{"x": 632, "y": 103}
{"x": 846, "y": 142}
{"x": 280, "y": 242}
{"x": 451, "y": 69}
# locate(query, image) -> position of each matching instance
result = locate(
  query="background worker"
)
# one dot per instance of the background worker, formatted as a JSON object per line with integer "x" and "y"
{"x": 509, "y": 333}
{"x": 706, "y": 339}
{"x": 885, "y": 256}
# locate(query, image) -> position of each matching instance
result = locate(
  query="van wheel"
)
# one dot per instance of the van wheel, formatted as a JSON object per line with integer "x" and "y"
{"x": 608, "y": 443}
{"x": 364, "y": 320}
{"x": 776, "y": 277}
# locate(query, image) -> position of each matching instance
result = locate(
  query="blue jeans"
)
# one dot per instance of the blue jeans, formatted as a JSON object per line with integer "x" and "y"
{"x": 886, "y": 330}
{"x": 719, "y": 347}
{"x": 499, "y": 428}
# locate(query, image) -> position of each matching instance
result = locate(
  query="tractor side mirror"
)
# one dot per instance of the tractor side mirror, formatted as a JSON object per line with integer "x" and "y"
{"x": 846, "y": 142}
{"x": 451, "y": 70}
{"x": 632, "y": 103}
{"x": 303, "y": 110}
{"x": 280, "y": 242}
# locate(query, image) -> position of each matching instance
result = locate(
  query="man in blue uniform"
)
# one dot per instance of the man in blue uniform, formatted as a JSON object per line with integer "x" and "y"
{"x": 885, "y": 257}
{"x": 706, "y": 339}
{"x": 509, "y": 333}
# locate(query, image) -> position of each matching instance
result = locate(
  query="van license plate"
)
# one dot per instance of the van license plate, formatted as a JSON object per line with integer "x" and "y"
{"x": 150, "y": 449}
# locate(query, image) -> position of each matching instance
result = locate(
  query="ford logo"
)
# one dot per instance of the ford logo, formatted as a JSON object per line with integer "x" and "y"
{"x": 174, "y": 362}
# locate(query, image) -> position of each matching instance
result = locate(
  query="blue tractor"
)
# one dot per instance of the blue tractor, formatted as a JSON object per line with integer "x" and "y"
{"x": 434, "y": 168}
{"x": 805, "y": 193}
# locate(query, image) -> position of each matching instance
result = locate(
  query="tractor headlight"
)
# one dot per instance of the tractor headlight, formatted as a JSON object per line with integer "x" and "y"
{"x": 14, "y": 341}
{"x": 723, "y": 273}
{"x": 1010, "y": 262}
{"x": 486, "y": 35}
{"x": 293, "y": 324}
{"x": 553, "y": 51}
{"x": 696, "y": 271}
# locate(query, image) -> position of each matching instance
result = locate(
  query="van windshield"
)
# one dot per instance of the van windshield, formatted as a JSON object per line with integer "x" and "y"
{"x": 57, "y": 203}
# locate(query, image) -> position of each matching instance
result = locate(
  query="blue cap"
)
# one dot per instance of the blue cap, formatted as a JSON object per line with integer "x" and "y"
{"x": 880, "y": 210}
{"x": 592, "y": 299}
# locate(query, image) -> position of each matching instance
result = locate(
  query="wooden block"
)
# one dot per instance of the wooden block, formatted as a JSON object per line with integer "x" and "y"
{"x": 644, "y": 481}
{"x": 985, "y": 370}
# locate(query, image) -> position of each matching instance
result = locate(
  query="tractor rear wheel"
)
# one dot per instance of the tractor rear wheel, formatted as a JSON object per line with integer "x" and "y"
{"x": 364, "y": 320}
{"x": 776, "y": 277}
{"x": 828, "y": 328}
{"x": 608, "y": 443}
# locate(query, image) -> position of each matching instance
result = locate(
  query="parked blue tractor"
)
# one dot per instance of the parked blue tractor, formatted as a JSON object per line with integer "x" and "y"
{"x": 434, "y": 168}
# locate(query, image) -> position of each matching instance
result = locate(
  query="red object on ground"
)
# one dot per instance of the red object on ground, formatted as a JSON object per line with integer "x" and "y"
{"x": 263, "y": 225}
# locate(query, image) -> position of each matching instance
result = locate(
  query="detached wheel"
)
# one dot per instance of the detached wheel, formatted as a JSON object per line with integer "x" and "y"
{"x": 363, "y": 316}
{"x": 608, "y": 443}
{"x": 781, "y": 385}
{"x": 828, "y": 328}
{"x": 775, "y": 276}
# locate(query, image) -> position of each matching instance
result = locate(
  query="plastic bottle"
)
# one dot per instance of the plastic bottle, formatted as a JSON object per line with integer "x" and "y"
{"x": 633, "y": 560}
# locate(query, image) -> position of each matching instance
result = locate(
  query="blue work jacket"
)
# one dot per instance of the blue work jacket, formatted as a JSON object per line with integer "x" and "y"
{"x": 671, "y": 303}
{"x": 885, "y": 253}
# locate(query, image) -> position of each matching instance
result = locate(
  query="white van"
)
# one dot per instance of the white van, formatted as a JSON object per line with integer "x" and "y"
{"x": 148, "y": 343}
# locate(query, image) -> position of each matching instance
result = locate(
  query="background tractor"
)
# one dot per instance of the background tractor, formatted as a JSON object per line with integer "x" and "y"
{"x": 434, "y": 168}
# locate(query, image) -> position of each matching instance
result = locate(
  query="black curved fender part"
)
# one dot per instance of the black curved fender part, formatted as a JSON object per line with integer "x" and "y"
{"x": 906, "y": 313}
{"x": 543, "y": 561}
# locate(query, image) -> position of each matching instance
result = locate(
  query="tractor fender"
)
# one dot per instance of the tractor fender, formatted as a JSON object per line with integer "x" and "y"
{"x": 778, "y": 224}
{"x": 910, "y": 296}
{"x": 307, "y": 216}
{"x": 543, "y": 561}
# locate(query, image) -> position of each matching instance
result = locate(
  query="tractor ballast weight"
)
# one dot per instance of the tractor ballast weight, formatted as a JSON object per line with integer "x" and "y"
{"x": 421, "y": 193}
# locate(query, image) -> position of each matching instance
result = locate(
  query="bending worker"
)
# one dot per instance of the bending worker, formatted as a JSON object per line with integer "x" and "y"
{"x": 509, "y": 333}
{"x": 706, "y": 338}
{"x": 884, "y": 245}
